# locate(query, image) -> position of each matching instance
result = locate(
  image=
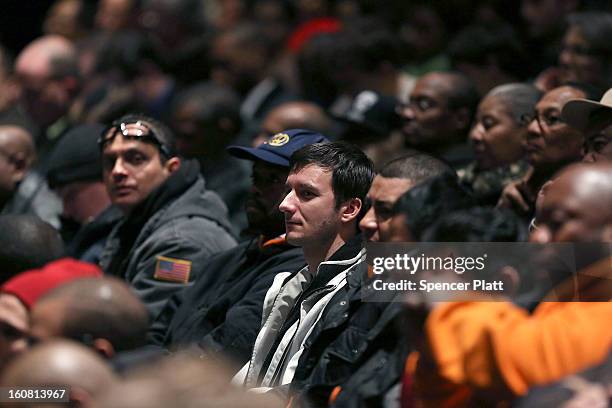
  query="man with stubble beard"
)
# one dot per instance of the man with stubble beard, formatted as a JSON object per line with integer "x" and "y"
{"x": 222, "y": 313}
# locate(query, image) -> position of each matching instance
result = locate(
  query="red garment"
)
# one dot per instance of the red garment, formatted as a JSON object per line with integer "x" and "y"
{"x": 309, "y": 29}
{"x": 29, "y": 286}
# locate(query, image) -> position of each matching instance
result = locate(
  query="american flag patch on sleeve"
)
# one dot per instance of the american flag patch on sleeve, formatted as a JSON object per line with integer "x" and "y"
{"x": 172, "y": 270}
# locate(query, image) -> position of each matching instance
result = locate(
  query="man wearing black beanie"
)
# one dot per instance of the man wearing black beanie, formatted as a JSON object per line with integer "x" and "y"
{"x": 75, "y": 173}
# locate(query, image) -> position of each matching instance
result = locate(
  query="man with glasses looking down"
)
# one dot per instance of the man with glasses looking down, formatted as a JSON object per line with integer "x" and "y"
{"x": 171, "y": 223}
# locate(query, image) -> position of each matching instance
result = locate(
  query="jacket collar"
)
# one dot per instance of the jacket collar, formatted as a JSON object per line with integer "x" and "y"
{"x": 347, "y": 255}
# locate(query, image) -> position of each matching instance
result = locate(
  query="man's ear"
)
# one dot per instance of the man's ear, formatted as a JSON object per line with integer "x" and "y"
{"x": 103, "y": 347}
{"x": 173, "y": 164}
{"x": 350, "y": 209}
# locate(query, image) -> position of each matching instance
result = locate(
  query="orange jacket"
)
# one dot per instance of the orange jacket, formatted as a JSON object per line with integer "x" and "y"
{"x": 499, "y": 350}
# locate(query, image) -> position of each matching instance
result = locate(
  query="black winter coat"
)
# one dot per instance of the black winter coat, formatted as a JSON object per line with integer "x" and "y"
{"x": 222, "y": 311}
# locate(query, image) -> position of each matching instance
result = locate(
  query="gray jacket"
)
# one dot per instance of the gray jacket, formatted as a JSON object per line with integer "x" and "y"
{"x": 34, "y": 197}
{"x": 173, "y": 245}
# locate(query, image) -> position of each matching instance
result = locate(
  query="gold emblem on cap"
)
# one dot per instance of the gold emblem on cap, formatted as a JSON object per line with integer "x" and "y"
{"x": 278, "y": 139}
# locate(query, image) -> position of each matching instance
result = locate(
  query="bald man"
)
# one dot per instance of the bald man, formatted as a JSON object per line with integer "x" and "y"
{"x": 23, "y": 190}
{"x": 293, "y": 115}
{"x": 102, "y": 313}
{"x": 48, "y": 72}
{"x": 505, "y": 359}
{"x": 63, "y": 363}
{"x": 576, "y": 206}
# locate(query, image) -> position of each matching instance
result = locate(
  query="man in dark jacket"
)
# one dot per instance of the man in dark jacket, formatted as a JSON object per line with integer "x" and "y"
{"x": 222, "y": 312}
{"x": 326, "y": 187}
{"x": 171, "y": 223}
{"x": 357, "y": 351}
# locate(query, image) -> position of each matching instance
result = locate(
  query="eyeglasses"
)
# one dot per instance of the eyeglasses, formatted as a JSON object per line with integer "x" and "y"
{"x": 138, "y": 130}
{"x": 549, "y": 119}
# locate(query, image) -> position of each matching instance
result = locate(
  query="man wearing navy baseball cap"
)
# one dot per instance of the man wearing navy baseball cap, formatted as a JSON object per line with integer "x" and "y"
{"x": 270, "y": 170}
{"x": 232, "y": 290}
{"x": 278, "y": 148}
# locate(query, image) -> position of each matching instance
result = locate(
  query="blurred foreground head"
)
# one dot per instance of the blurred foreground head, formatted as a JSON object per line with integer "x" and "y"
{"x": 60, "y": 363}
{"x": 18, "y": 295}
{"x": 26, "y": 242}
{"x": 100, "y": 313}
{"x": 182, "y": 381}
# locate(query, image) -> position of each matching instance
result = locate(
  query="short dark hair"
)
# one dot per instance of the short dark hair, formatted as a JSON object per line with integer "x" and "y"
{"x": 368, "y": 43}
{"x": 426, "y": 202}
{"x": 478, "y": 44}
{"x": 316, "y": 68}
{"x": 596, "y": 27}
{"x": 463, "y": 93}
{"x": 590, "y": 91}
{"x": 65, "y": 65}
{"x": 478, "y": 224}
{"x": 162, "y": 132}
{"x": 352, "y": 171}
{"x": 212, "y": 101}
{"x": 125, "y": 51}
{"x": 250, "y": 35}
{"x": 416, "y": 167}
{"x": 26, "y": 242}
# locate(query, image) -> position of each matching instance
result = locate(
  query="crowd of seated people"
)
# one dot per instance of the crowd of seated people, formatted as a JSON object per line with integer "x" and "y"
{"x": 193, "y": 193}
